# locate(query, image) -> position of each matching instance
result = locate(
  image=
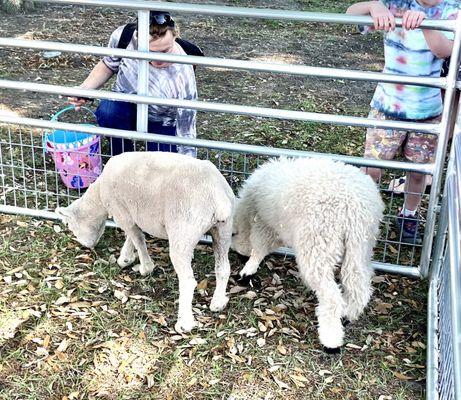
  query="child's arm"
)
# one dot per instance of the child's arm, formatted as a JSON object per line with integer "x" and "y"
{"x": 437, "y": 42}
{"x": 382, "y": 17}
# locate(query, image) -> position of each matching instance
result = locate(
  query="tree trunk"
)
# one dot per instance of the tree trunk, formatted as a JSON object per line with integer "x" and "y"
{"x": 15, "y": 6}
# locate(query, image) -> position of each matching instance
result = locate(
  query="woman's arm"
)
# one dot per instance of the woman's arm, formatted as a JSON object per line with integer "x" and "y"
{"x": 382, "y": 17}
{"x": 97, "y": 78}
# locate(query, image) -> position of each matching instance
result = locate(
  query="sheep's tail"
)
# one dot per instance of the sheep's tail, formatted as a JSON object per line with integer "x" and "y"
{"x": 356, "y": 271}
{"x": 224, "y": 204}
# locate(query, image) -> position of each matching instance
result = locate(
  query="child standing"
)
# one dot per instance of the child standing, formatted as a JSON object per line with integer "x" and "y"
{"x": 408, "y": 51}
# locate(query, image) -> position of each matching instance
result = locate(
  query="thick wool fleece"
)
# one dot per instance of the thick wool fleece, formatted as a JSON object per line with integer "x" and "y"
{"x": 166, "y": 195}
{"x": 327, "y": 212}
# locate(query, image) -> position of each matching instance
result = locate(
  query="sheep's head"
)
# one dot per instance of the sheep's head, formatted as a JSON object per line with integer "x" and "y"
{"x": 86, "y": 224}
{"x": 241, "y": 231}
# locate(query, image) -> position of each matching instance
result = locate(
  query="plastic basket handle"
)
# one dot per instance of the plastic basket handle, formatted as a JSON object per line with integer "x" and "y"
{"x": 69, "y": 108}
{"x": 55, "y": 118}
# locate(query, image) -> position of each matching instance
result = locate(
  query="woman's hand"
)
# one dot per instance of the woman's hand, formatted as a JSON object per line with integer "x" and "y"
{"x": 382, "y": 17}
{"x": 97, "y": 78}
{"x": 412, "y": 19}
{"x": 77, "y": 102}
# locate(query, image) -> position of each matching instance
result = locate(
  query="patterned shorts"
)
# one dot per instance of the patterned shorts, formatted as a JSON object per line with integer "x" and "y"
{"x": 384, "y": 144}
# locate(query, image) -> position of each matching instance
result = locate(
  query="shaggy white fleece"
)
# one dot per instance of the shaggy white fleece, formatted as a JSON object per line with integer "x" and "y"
{"x": 326, "y": 212}
{"x": 166, "y": 195}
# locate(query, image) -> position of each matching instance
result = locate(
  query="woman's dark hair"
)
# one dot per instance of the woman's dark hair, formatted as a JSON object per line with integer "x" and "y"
{"x": 160, "y": 22}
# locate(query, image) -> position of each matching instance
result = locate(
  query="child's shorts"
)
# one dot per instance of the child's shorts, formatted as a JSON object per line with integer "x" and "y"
{"x": 384, "y": 144}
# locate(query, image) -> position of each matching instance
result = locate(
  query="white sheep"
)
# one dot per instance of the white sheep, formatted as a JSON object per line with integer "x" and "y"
{"x": 326, "y": 212}
{"x": 166, "y": 195}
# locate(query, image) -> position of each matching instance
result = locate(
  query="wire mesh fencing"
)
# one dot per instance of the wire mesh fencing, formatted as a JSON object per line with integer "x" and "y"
{"x": 31, "y": 178}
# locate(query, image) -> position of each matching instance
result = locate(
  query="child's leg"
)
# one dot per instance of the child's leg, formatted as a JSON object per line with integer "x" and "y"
{"x": 420, "y": 148}
{"x": 415, "y": 186}
{"x": 381, "y": 144}
{"x": 117, "y": 115}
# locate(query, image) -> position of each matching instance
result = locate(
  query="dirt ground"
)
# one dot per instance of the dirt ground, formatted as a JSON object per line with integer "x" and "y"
{"x": 73, "y": 326}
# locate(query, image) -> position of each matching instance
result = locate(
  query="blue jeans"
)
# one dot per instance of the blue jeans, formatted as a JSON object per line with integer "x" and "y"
{"x": 122, "y": 115}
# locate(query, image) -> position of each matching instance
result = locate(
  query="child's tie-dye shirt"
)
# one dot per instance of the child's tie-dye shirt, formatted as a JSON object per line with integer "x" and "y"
{"x": 406, "y": 53}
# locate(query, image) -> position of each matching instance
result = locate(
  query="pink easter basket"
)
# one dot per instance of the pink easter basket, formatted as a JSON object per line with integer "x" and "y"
{"x": 77, "y": 155}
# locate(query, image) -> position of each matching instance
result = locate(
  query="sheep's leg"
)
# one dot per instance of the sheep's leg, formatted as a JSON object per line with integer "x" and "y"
{"x": 356, "y": 274}
{"x": 127, "y": 254}
{"x": 181, "y": 258}
{"x": 263, "y": 240}
{"x": 252, "y": 265}
{"x": 221, "y": 242}
{"x": 136, "y": 236}
{"x": 317, "y": 272}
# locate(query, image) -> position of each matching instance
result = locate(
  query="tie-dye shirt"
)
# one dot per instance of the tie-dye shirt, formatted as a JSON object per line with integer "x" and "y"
{"x": 177, "y": 81}
{"x": 406, "y": 53}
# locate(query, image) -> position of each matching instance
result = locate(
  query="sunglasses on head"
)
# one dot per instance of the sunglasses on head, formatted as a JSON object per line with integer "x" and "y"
{"x": 161, "y": 19}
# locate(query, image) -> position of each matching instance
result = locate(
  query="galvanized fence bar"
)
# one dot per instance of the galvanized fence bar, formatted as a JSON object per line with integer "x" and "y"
{"x": 299, "y": 70}
{"x": 143, "y": 70}
{"x": 228, "y": 11}
{"x": 448, "y": 110}
{"x": 223, "y": 108}
{"x": 217, "y": 145}
{"x": 444, "y": 305}
{"x": 454, "y": 247}
{"x": 412, "y": 272}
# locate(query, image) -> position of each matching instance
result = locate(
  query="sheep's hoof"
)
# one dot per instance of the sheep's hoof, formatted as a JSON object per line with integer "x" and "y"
{"x": 185, "y": 325}
{"x": 332, "y": 350}
{"x": 218, "y": 305}
{"x": 249, "y": 280}
{"x": 125, "y": 262}
{"x": 144, "y": 269}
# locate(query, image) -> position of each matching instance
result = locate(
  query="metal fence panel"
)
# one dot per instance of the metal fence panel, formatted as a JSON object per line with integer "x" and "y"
{"x": 30, "y": 180}
{"x": 444, "y": 309}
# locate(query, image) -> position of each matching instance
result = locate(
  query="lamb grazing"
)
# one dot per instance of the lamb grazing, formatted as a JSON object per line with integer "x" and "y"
{"x": 326, "y": 212}
{"x": 166, "y": 195}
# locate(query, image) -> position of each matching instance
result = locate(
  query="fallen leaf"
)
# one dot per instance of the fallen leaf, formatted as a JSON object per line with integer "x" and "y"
{"x": 262, "y": 327}
{"x": 62, "y": 300}
{"x": 281, "y": 349}
{"x": 203, "y": 284}
{"x": 62, "y": 346}
{"x": 122, "y": 296}
{"x": 237, "y": 289}
{"x": 281, "y": 384}
{"x": 401, "y": 376}
{"x": 383, "y": 308}
{"x": 195, "y": 341}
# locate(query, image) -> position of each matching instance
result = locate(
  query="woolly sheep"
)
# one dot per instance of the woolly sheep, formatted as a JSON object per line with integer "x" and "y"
{"x": 325, "y": 211}
{"x": 166, "y": 195}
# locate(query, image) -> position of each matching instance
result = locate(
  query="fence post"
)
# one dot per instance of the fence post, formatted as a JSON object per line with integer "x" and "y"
{"x": 143, "y": 70}
{"x": 447, "y": 114}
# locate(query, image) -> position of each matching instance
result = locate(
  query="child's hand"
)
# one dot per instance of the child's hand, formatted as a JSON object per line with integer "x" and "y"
{"x": 382, "y": 17}
{"x": 412, "y": 19}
